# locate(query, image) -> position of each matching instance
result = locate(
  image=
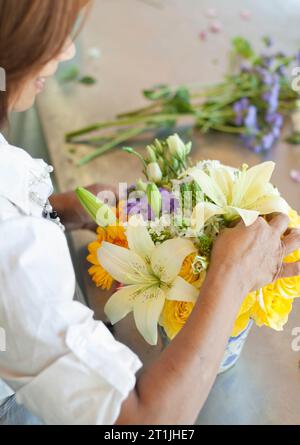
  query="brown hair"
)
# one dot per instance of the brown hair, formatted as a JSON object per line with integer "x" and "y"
{"x": 32, "y": 32}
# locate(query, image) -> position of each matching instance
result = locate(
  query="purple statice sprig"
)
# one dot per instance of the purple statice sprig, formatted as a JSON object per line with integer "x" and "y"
{"x": 260, "y": 116}
{"x": 138, "y": 204}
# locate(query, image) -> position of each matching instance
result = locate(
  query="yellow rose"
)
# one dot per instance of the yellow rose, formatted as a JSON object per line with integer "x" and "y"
{"x": 288, "y": 287}
{"x": 174, "y": 316}
{"x": 271, "y": 309}
{"x": 241, "y": 323}
{"x": 244, "y": 315}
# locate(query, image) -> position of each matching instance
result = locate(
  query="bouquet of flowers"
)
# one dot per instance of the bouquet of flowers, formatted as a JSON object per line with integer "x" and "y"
{"x": 157, "y": 244}
{"x": 251, "y": 102}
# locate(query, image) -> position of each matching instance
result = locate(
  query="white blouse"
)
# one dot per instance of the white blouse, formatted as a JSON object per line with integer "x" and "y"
{"x": 63, "y": 366}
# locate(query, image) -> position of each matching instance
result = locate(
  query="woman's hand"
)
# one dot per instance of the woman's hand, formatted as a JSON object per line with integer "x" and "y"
{"x": 254, "y": 255}
{"x": 70, "y": 211}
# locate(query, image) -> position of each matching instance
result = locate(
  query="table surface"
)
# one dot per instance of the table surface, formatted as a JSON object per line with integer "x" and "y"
{"x": 158, "y": 42}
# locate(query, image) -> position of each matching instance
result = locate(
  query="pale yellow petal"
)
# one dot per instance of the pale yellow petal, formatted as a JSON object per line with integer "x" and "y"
{"x": 251, "y": 184}
{"x": 248, "y": 216}
{"x": 123, "y": 265}
{"x": 147, "y": 312}
{"x": 202, "y": 213}
{"x": 168, "y": 257}
{"x": 181, "y": 290}
{"x": 270, "y": 204}
{"x": 139, "y": 239}
{"x": 120, "y": 303}
{"x": 209, "y": 186}
{"x": 224, "y": 180}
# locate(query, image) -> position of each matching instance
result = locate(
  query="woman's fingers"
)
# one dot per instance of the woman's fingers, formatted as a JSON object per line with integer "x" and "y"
{"x": 290, "y": 270}
{"x": 280, "y": 223}
{"x": 291, "y": 242}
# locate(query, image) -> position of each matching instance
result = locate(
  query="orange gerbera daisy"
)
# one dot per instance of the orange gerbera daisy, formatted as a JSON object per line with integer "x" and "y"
{"x": 114, "y": 235}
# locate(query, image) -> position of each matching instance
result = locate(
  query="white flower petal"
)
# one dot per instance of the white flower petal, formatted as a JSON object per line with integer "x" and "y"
{"x": 138, "y": 238}
{"x": 208, "y": 186}
{"x": 123, "y": 265}
{"x": 202, "y": 213}
{"x": 167, "y": 258}
{"x": 248, "y": 216}
{"x": 223, "y": 177}
{"x": 181, "y": 290}
{"x": 121, "y": 303}
{"x": 252, "y": 184}
{"x": 147, "y": 312}
{"x": 271, "y": 204}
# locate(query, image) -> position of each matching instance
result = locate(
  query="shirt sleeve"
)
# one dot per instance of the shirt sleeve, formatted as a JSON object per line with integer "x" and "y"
{"x": 64, "y": 366}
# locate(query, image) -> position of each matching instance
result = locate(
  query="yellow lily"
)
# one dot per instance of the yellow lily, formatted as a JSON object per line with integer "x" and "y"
{"x": 246, "y": 194}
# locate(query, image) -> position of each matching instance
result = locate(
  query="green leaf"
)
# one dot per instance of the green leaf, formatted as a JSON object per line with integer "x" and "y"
{"x": 243, "y": 48}
{"x": 88, "y": 80}
{"x": 180, "y": 102}
{"x": 158, "y": 92}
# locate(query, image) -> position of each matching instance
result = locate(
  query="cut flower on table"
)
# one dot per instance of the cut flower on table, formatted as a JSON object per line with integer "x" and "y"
{"x": 159, "y": 250}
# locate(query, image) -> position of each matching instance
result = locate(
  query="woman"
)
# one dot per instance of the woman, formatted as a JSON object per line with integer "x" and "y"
{"x": 61, "y": 366}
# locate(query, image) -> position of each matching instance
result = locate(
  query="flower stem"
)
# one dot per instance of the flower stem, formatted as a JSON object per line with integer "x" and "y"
{"x": 139, "y": 111}
{"x": 152, "y": 119}
{"x": 125, "y": 136}
{"x": 228, "y": 129}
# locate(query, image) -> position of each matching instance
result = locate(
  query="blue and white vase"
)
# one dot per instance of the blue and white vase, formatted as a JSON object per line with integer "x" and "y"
{"x": 234, "y": 349}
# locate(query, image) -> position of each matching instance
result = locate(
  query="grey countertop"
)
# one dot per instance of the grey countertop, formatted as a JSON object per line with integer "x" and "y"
{"x": 143, "y": 42}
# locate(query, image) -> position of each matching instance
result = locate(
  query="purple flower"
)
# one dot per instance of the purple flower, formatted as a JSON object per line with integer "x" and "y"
{"x": 169, "y": 203}
{"x": 266, "y": 61}
{"x": 282, "y": 71}
{"x": 139, "y": 205}
{"x": 239, "y": 108}
{"x": 275, "y": 119}
{"x": 265, "y": 75}
{"x": 267, "y": 141}
{"x": 251, "y": 120}
{"x": 272, "y": 96}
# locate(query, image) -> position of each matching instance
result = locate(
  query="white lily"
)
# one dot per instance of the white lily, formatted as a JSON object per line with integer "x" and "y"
{"x": 246, "y": 195}
{"x": 150, "y": 275}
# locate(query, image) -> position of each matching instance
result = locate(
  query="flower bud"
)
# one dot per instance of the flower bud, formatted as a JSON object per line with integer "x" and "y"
{"x": 188, "y": 149}
{"x": 161, "y": 163}
{"x": 151, "y": 154}
{"x": 154, "y": 172}
{"x": 176, "y": 146}
{"x": 141, "y": 186}
{"x": 154, "y": 199}
{"x": 100, "y": 212}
